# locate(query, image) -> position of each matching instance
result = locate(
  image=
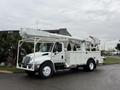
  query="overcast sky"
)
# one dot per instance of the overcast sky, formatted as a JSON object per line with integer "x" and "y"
{"x": 82, "y": 18}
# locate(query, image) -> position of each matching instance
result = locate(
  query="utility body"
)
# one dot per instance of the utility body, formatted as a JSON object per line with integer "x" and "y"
{"x": 53, "y": 52}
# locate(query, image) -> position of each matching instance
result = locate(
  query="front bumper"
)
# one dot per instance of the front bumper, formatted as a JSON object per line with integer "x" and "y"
{"x": 28, "y": 67}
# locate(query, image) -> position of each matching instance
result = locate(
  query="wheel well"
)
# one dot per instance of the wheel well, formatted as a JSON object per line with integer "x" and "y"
{"x": 49, "y": 62}
{"x": 91, "y": 59}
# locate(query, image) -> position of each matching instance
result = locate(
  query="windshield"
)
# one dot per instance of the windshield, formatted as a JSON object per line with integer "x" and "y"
{"x": 46, "y": 47}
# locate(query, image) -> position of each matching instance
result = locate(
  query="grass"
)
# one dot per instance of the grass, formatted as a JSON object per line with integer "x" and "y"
{"x": 11, "y": 69}
{"x": 112, "y": 60}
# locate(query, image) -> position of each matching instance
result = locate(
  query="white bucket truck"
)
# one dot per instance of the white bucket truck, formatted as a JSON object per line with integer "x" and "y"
{"x": 53, "y": 52}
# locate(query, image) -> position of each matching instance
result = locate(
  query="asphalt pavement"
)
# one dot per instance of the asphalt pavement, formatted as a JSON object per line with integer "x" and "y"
{"x": 106, "y": 77}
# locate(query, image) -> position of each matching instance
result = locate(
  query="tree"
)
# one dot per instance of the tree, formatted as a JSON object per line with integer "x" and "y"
{"x": 118, "y": 46}
{"x": 8, "y": 46}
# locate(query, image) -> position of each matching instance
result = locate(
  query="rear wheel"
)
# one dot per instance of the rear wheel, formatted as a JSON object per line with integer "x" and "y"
{"x": 46, "y": 70}
{"x": 90, "y": 66}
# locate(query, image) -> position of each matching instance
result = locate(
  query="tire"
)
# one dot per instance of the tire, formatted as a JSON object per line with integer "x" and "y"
{"x": 30, "y": 73}
{"x": 46, "y": 70}
{"x": 90, "y": 65}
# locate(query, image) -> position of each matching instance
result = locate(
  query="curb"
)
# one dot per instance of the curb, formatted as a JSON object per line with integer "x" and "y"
{"x": 111, "y": 64}
{"x": 3, "y": 71}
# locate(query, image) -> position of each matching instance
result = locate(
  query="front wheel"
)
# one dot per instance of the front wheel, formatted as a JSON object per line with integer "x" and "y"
{"x": 46, "y": 70}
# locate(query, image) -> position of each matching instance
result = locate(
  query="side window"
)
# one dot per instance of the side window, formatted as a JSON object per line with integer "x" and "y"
{"x": 88, "y": 47}
{"x": 74, "y": 48}
{"x": 69, "y": 47}
{"x": 78, "y": 47}
{"x": 57, "y": 47}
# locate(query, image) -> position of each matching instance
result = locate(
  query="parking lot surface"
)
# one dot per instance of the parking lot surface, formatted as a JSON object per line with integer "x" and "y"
{"x": 106, "y": 77}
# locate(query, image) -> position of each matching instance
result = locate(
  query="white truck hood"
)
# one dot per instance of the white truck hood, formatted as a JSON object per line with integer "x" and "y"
{"x": 39, "y": 57}
{"x": 38, "y": 54}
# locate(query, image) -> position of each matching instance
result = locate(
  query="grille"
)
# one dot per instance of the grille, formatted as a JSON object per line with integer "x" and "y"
{"x": 26, "y": 60}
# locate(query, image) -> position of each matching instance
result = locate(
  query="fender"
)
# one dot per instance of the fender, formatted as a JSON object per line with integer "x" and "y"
{"x": 91, "y": 59}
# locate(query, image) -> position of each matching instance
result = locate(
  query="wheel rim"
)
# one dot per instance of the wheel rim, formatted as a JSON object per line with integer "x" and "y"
{"x": 91, "y": 66}
{"x": 46, "y": 71}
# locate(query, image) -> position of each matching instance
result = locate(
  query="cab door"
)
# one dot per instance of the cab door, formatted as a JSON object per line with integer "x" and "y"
{"x": 58, "y": 53}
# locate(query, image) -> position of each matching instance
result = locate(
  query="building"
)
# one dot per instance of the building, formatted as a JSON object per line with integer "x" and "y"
{"x": 62, "y": 31}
